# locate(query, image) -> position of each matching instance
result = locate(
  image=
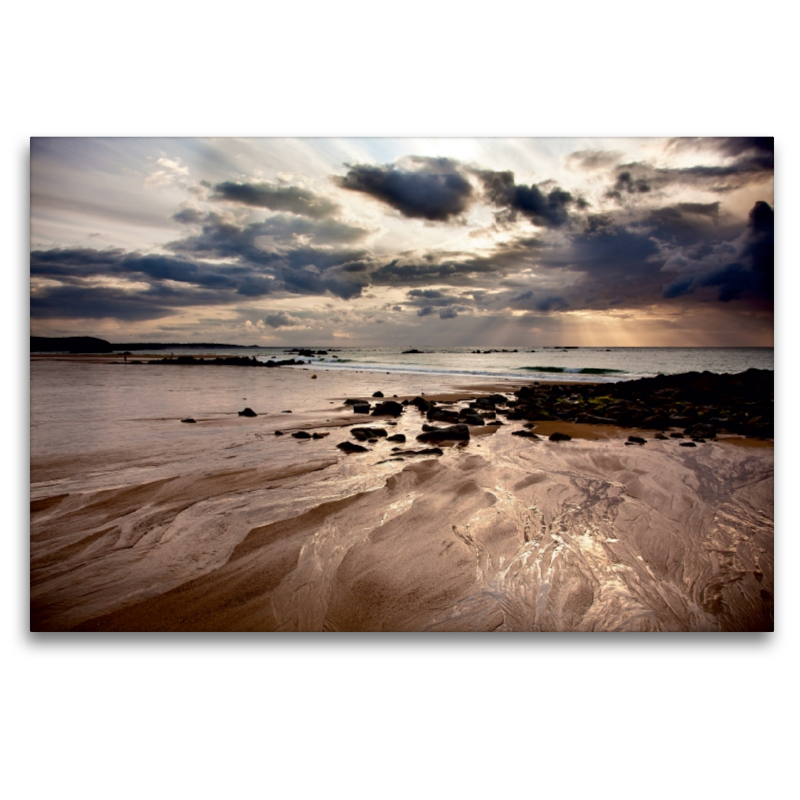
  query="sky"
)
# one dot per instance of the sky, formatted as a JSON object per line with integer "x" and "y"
{"x": 490, "y": 242}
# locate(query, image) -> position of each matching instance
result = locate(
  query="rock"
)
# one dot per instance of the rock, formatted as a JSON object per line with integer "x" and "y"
{"x": 377, "y": 394}
{"x": 428, "y": 451}
{"x": 661, "y": 436}
{"x": 288, "y": 411}
{"x": 352, "y": 402}
{"x": 362, "y": 408}
{"x": 452, "y": 432}
{"x": 676, "y": 436}
{"x": 560, "y": 437}
{"x": 188, "y": 419}
{"x": 698, "y": 439}
{"x": 688, "y": 444}
{"x": 349, "y": 447}
{"x": 248, "y": 412}
{"x": 362, "y": 434}
{"x": 397, "y": 437}
{"x": 635, "y": 440}
{"x": 388, "y": 408}
{"x": 471, "y": 419}
{"x": 279, "y": 433}
{"x": 319, "y": 435}
{"x": 301, "y": 435}
{"x": 526, "y": 434}
{"x": 442, "y": 415}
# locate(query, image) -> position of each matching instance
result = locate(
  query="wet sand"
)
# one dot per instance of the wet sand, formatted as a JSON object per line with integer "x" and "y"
{"x": 502, "y": 534}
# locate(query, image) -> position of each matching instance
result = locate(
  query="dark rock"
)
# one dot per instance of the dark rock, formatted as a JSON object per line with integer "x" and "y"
{"x": 688, "y": 444}
{"x": 288, "y": 411}
{"x": 661, "y": 436}
{"x": 560, "y": 437}
{"x": 389, "y": 408}
{"x": 397, "y": 437}
{"x": 525, "y": 433}
{"x": 301, "y": 435}
{"x": 377, "y": 394}
{"x": 362, "y": 434}
{"x": 636, "y": 440}
{"x": 279, "y": 433}
{"x": 362, "y": 408}
{"x": 248, "y": 412}
{"x": 320, "y": 435}
{"x": 471, "y": 419}
{"x": 349, "y": 447}
{"x": 351, "y": 402}
{"x": 698, "y": 439}
{"x": 442, "y": 415}
{"x": 188, "y": 419}
{"x": 452, "y": 432}
{"x": 428, "y": 451}
{"x": 676, "y": 436}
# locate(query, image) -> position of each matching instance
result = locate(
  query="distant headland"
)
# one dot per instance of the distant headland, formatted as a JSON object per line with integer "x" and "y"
{"x": 91, "y": 344}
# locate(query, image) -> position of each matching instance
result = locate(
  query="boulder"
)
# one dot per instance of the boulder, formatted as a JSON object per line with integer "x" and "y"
{"x": 301, "y": 435}
{"x": 560, "y": 437}
{"x": 248, "y": 412}
{"x": 635, "y": 440}
{"x": 319, "y": 435}
{"x": 397, "y": 437}
{"x": 452, "y": 432}
{"x": 349, "y": 447}
{"x": 188, "y": 419}
{"x": 389, "y": 408}
{"x": 525, "y": 433}
{"x": 362, "y": 434}
{"x": 362, "y": 408}
{"x": 377, "y": 394}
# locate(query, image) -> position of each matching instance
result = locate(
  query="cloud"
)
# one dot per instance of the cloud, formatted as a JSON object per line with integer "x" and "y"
{"x": 547, "y": 209}
{"x": 422, "y": 188}
{"x": 276, "y": 198}
{"x": 739, "y": 272}
{"x": 281, "y": 319}
{"x": 591, "y": 160}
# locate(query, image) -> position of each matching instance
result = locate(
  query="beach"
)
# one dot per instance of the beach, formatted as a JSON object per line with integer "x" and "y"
{"x": 142, "y": 522}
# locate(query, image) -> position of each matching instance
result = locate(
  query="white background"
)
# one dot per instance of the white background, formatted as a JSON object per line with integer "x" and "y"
{"x": 395, "y": 716}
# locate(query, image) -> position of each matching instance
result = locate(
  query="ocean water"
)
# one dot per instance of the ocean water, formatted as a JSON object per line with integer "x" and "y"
{"x": 592, "y": 364}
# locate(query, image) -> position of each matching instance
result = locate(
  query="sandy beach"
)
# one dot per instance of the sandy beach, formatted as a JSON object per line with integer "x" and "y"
{"x": 234, "y": 527}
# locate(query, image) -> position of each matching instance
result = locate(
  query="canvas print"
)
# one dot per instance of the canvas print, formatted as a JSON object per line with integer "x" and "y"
{"x": 418, "y": 385}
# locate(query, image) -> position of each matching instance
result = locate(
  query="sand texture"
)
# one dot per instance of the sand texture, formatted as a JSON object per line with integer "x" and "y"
{"x": 529, "y": 536}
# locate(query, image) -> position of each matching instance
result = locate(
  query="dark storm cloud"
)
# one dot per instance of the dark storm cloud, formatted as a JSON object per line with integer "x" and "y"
{"x": 536, "y": 301}
{"x": 432, "y": 188}
{"x": 549, "y": 209}
{"x": 748, "y": 273}
{"x": 75, "y": 302}
{"x": 753, "y": 275}
{"x": 275, "y": 198}
{"x": 734, "y": 146}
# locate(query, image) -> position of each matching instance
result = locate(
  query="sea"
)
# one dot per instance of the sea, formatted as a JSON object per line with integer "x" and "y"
{"x": 590, "y": 364}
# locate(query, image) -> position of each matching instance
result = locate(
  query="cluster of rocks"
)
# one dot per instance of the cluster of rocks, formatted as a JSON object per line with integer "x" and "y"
{"x": 224, "y": 361}
{"x": 700, "y": 403}
{"x": 308, "y": 353}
